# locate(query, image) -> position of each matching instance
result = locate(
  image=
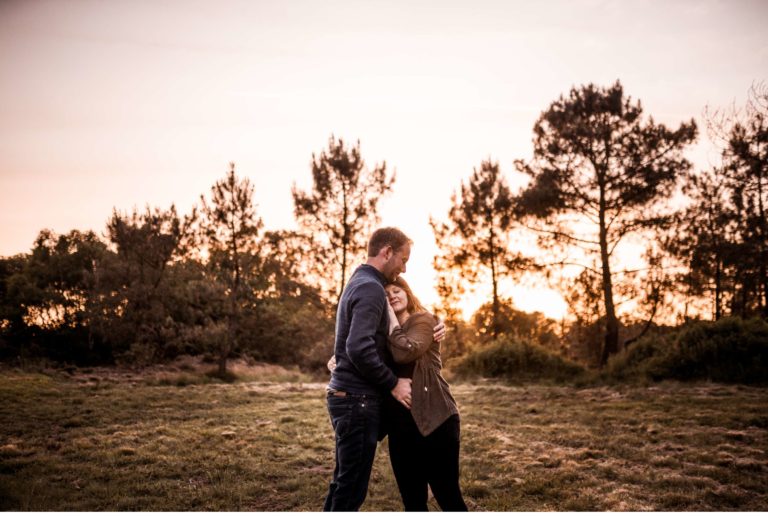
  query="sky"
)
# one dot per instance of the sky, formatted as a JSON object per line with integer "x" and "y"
{"x": 124, "y": 103}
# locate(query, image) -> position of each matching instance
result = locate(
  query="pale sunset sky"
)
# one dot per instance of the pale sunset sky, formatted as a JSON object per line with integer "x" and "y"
{"x": 123, "y": 103}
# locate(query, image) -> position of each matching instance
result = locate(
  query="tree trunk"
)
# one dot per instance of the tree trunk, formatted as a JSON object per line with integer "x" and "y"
{"x": 763, "y": 258}
{"x": 495, "y": 306}
{"x": 647, "y": 325}
{"x": 226, "y": 347}
{"x": 611, "y": 343}
{"x": 494, "y": 281}
{"x": 718, "y": 287}
{"x": 229, "y": 344}
{"x": 744, "y": 296}
{"x": 343, "y": 274}
{"x": 344, "y": 245}
{"x": 223, "y": 354}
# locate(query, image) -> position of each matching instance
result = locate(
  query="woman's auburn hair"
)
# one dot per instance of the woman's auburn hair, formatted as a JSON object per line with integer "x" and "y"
{"x": 414, "y": 305}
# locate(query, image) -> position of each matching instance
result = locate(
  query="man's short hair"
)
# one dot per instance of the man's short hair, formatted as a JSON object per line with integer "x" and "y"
{"x": 384, "y": 237}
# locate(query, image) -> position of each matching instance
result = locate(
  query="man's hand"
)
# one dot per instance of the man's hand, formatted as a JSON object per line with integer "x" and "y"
{"x": 439, "y": 334}
{"x": 402, "y": 392}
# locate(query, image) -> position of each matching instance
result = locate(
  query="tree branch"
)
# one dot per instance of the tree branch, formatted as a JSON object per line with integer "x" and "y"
{"x": 561, "y": 234}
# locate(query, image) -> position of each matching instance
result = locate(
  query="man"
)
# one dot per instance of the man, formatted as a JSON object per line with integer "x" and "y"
{"x": 361, "y": 376}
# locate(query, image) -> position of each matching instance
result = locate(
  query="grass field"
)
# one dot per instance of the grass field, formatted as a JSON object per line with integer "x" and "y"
{"x": 98, "y": 441}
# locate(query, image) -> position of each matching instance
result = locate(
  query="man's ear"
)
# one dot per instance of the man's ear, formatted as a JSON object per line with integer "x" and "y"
{"x": 388, "y": 252}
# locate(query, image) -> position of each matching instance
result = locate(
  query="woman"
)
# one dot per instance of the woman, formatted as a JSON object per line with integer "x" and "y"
{"x": 423, "y": 441}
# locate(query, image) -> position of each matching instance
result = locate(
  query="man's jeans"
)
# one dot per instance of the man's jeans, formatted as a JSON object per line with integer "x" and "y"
{"x": 355, "y": 420}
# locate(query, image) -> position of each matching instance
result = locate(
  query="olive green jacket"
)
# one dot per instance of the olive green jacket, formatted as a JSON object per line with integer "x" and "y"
{"x": 432, "y": 402}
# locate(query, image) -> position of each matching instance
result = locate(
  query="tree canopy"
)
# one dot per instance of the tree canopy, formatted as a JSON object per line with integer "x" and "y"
{"x": 340, "y": 210}
{"x": 476, "y": 237}
{"x": 601, "y": 172}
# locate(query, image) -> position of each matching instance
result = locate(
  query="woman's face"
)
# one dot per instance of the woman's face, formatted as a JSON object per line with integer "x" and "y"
{"x": 398, "y": 298}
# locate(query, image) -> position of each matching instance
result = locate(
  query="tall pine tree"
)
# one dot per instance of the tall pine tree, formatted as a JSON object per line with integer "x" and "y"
{"x": 231, "y": 230}
{"x": 475, "y": 239}
{"x": 340, "y": 210}
{"x": 599, "y": 174}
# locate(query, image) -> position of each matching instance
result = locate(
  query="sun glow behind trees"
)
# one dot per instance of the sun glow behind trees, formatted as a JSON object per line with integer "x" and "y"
{"x": 123, "y": 104}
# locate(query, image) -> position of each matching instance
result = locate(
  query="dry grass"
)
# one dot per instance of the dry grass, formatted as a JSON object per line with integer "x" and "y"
{"x": 670, "y": 447}
{"x": 105, "y": 440}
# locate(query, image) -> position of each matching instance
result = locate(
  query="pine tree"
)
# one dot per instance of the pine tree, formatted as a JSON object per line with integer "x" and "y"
{"x": 341, "y": 209}
{"x": 598, "y": 174}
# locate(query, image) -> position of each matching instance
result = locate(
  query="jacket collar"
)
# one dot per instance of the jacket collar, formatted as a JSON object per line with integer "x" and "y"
{"x": 370, "y": 269}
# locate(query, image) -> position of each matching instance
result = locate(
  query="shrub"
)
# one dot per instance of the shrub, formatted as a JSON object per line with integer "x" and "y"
{"x": 516, "y": 360}
{"x": 634, "y": 362}
{"x": 286, "y": 331}
{"x": 729, "y": 350}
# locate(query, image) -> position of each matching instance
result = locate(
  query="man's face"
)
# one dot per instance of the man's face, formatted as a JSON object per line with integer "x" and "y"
{"x": 396, "y": 263}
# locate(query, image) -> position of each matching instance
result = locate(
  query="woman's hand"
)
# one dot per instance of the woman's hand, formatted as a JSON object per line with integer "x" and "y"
{"x": 331, "y": 363}
{"x": 439, "y": 331}
{"x": 393, "y": 323}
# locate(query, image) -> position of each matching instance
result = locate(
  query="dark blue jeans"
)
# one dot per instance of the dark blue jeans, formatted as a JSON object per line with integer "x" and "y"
{"x": 355, "y": 420}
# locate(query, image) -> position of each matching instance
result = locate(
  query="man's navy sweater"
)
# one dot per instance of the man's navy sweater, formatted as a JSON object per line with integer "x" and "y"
{"x": 362, "y": 322}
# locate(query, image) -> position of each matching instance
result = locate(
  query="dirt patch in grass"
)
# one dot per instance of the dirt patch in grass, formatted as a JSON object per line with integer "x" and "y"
{"x": 112, "y": 441}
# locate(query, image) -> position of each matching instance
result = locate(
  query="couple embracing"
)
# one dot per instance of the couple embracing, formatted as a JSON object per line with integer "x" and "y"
{"x": 386, "y": 380}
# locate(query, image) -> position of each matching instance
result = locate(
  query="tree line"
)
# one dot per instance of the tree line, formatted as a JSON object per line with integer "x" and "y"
{"x": 160, "y": 284}
{"x": 603, "y": 175}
